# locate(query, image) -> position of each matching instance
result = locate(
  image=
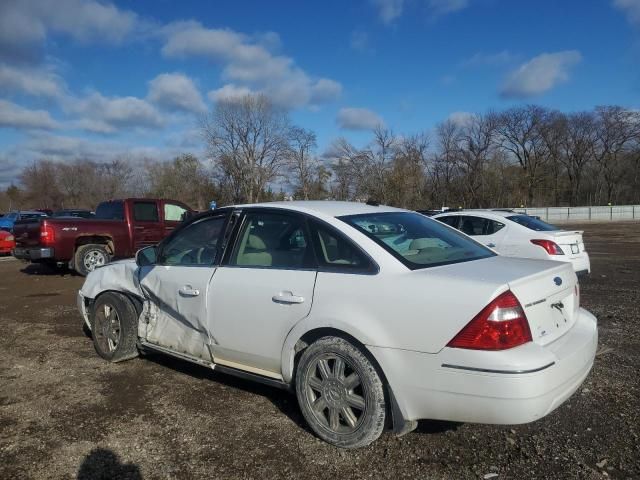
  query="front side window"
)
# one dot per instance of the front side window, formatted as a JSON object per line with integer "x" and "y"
{"x": 273, "y": 240}
{"x": 110, "y": 211}
{"x": 145, "y": 212}
{"x": 533, "y": 223}
{"x": 416, "y": 240}
{"x": 196, "y": 244}
{"x": 173, "y": 212}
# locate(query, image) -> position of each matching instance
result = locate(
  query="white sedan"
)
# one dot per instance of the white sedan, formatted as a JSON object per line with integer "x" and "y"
{"x": 518, "y": 235}
{"x": 363, "y": 311}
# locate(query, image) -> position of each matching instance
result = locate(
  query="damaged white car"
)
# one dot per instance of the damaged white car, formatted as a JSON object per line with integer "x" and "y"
{"x": 364, "y": 311}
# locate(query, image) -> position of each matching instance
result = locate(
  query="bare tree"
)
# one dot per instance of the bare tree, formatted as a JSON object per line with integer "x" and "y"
{"x": 475, "y": 149}
{"x": 578, "y": 148}
{"x": 247, "y": 140}
{"x": 302, "y": 162}
{"x": 615, "y": 130}
{"x": 519, "y": 132}
{"x": 444, "y": 163}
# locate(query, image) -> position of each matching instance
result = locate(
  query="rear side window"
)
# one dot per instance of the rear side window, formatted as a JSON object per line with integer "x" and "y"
{"x": 335, "y": 252}
{"x": 110, "y": 211}
{"x": 417, "y": 241}
{"x": 273, "y": 240}
{"x": 533, "y": 223}
{"x": 145, "y": 212}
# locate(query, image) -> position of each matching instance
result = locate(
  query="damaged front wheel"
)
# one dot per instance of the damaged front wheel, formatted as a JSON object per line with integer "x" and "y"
{"x": 114, "y": 327}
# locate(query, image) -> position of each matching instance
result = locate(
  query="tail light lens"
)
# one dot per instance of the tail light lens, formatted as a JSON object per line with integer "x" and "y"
{"x": 500, "y": 325}
{"x": 9, "y": 238}
{"x": 47, "y": 235}
{"x": 552, "y": 248}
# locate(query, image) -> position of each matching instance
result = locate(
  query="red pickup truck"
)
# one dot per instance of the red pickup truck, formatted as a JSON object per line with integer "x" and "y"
{"x": 118, "y": 230}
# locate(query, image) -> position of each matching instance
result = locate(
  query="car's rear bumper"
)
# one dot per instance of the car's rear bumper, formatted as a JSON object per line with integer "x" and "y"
{"x": 513, "y": 386}
{"x": 581, "y": 263}
{"x": 33, "y": 253}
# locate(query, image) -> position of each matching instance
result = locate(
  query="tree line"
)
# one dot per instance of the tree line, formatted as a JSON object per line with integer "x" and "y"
{"x": 523, "y": 156}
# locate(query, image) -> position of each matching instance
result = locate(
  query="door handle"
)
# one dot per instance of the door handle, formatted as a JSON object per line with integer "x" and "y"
{"x": 187, "y": 291}
{"x": 287, "y": 297}
{"x": 491, "y": 245}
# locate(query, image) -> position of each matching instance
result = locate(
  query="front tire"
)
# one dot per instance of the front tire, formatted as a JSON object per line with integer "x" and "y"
{"x": 89, "y": 257}
{"x": 340, "y": 393}
{"x": 114, "y": 327}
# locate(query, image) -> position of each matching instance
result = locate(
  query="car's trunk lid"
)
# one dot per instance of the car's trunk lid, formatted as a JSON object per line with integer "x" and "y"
{"x": 550, "y": 301}
{"x": 544, "y": 288}
{"x": 570, "y": 241}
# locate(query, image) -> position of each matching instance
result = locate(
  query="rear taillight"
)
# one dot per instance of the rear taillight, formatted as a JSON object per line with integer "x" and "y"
{"x": 47, "y": 235}
{"x": 500, "y": 325}
{"x": 9, "y": 238}
{"x": 552, "y": 248}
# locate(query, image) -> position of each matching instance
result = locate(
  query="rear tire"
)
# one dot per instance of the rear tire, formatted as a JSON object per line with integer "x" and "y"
{"x": 114, "y": 327}
{"x": 90, "y": 256}
{"x": 340, "y": 393}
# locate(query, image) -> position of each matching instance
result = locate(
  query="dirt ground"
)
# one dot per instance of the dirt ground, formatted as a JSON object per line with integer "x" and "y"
{"x": 65, "y": 413}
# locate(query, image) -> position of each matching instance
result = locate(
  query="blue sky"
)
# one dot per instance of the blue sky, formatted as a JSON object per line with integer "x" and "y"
{"x": 100, "y": 79}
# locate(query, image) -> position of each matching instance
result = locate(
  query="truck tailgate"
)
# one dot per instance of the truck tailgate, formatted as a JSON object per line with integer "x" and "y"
{"x": 27, "y": 232}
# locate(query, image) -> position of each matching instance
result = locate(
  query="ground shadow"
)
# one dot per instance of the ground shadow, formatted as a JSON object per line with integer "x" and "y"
{"x": 45, "y": 269}
{"x": 436, "y": 426}
{"x": 282, "y": 399}
{"x": 103, "y": 464}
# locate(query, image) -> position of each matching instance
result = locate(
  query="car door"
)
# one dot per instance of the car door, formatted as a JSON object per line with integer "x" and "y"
{"x": 484, "y": 230}
{"x": 147, "y": 227}
{"x": 262, "y": 289}
{"x": 177, "y": 288}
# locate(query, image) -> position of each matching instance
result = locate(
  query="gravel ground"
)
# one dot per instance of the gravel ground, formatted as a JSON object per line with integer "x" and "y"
{"x": 65, "y": 413}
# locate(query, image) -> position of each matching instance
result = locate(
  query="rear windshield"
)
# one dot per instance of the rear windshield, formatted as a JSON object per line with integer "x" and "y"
{"x": 110, "y": 211}
{"x": 416, "y": 240}
{"x": 31, "y": 216}
{"x": 533, "y": 223}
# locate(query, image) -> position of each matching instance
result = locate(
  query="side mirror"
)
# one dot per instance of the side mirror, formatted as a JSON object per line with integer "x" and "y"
{"x": 147, "y": 256}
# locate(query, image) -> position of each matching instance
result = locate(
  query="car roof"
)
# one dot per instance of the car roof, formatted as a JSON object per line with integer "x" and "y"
{"x": 325, "y": 207}
{"x": 488, "y": 213}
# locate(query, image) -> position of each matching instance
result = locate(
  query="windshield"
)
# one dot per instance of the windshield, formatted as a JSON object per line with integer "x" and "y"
{"x": 416, "y": 240}
{"x": 30, "y": 216}
{"x": 533, "y": 223}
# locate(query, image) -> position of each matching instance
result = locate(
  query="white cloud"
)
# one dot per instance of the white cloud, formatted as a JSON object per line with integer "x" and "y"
{"x": 249, "y": 63}
{"x": 389, "y": 10}
{"x": 24, "y": 24}
{"x": 16, "y": 116}
{"x": 631, "y": 9}
{"x": 360, "y": 41}
{"x": 229, "y": 92}
{"x": 444, "y": 7}
{"x": 176, "y": 91}
{"x": 461, "y": 119}
{"x": 540, "y": 74}
{"x": 104, "y": 115}
{"x": 490, "y": 59}
{"x": 352, "y": 118}
{"x": 36, "y": 82}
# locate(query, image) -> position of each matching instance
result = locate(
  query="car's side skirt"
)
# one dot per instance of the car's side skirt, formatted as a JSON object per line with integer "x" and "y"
{"x": 237, "y": 372}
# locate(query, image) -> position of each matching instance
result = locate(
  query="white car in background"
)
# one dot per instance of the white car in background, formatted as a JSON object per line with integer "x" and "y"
{"x": 365, "y": 312}
{"x": 518, "y": 235}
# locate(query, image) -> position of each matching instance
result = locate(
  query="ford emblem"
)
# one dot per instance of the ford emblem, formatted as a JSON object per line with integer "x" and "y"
{"x": 557, "y": 281}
